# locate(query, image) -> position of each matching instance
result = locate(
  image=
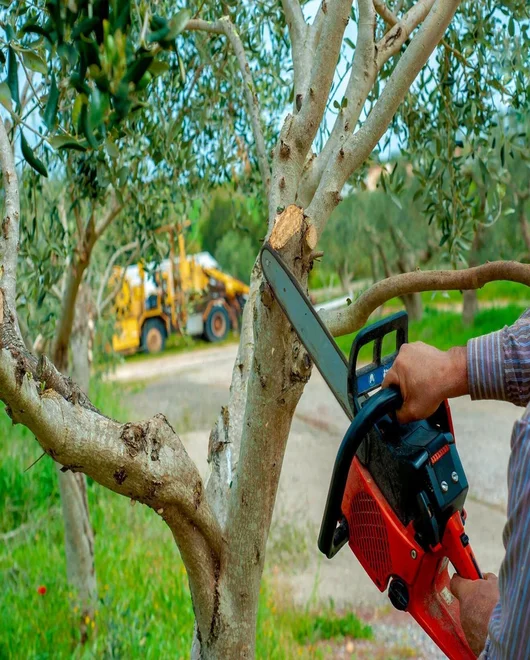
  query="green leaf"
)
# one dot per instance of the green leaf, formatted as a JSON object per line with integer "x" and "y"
{"x": 112, "y": 149}
{"x": 79, "y": 103}
{"x": 158, "y": 67}
{"x": 85, "y": 27}
{"x": 5, "y": 95}
{"x": 182, "y": 70}
{"x": 30, "y": 157}
{"x": 417, "y": 194}
{"x": 178, "y": 23}
{"x": 137, "y": 69}
{"x": 396, "y": 201}
{"x": 12, "y": 75}
{"x": 67, "y": 142}
{"x": 50, "y": 111}
{"x": 34, "y": 62}
{"x": 511, "y": 27}
{"x": 86, "y": 127}
{"x": 33, "y": 28}
{"x": 122, "y": 175}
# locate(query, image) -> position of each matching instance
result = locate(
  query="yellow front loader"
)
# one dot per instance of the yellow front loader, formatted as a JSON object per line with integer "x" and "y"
{"x": 180, "y": 295}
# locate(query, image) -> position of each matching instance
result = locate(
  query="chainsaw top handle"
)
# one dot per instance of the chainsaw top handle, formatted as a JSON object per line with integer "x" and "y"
{"x": 333, "y": 537}
{"x": 367, "y": 378}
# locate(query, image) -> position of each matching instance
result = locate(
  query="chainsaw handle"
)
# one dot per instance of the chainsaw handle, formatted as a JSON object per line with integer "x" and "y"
{"x": 364, "y": 380}
{"x": 384, "y": 402}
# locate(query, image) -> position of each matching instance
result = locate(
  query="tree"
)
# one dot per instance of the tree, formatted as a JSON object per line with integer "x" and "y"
{"x": 87, "y": 71}
{"x": 221, "y": 529}
{"x": 232, "y": 227}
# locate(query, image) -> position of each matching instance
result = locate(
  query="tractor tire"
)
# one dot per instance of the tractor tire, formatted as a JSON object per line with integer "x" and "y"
{"x": 154, "y": 336}
{"x": 217, "y": 324}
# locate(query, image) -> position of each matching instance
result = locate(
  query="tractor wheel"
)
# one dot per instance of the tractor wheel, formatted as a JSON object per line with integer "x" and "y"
{"x": 154, "y": 336}
{"x": 217, "y": 324}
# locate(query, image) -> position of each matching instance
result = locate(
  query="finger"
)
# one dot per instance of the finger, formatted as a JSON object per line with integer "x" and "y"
{"x": 391, "y": 378}
{"x": 490, "y": 576}
{"x": 404, "y": 415}
{"x": 459, "y": 586}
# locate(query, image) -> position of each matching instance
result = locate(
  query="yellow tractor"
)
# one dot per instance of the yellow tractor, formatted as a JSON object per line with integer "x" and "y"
{"x": 186, "y": 294}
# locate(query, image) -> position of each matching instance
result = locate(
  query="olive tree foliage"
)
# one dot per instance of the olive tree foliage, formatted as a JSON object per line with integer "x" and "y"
{"x": 221, "y": 527}
{"x": 468, "y": 113}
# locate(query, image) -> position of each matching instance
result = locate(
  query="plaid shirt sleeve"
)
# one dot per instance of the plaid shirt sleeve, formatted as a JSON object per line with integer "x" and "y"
{"x": 509, "y": 626}
{"x": 498, "y": 364}
{"x": 499, "y": 368}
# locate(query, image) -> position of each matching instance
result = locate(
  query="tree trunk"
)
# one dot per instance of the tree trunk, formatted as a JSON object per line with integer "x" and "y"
{"x": 79, "y": 545}
{"x": 345, "y": 278}
{"x": 469, "y": 296}
{"x": 525, "y": 228}
{"x": 78, "y": 533}
{"x": 414, "y": 306}
{"x": 373, "y": 266}
{"x": 470, "y": 307}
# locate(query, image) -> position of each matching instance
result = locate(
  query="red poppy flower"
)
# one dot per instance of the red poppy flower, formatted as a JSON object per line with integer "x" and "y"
{"x": 41, "y": 590}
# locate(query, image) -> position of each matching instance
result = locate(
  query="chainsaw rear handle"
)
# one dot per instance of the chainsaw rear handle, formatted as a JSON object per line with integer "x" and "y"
{"x": 383, "y": 403}
{"x": 370, "y": 377}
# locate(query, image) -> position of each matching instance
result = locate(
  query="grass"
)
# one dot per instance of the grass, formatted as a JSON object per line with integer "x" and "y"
{"x": 445, "y": 329}
{"x": 144, "y": 605}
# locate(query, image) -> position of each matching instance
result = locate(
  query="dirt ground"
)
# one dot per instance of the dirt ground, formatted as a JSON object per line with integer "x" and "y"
{"x": 190, "y": 388}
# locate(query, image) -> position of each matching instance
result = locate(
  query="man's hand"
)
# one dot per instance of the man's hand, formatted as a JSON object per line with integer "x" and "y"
{"x": 477, "y": 599}
{"x": 425, "y": 377}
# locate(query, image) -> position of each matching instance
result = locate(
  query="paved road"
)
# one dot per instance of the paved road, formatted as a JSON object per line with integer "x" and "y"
{"x": 190, "y": 388}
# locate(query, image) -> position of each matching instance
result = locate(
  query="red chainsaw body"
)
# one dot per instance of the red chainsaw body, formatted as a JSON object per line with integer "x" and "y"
{"x": 387, "y": 549}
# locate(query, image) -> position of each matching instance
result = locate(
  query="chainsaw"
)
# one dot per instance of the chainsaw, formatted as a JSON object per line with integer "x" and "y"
{"x": 397, "y": 491}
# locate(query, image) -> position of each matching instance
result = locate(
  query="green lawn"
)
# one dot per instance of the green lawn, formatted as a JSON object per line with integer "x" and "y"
{"x": 144, "y": 610}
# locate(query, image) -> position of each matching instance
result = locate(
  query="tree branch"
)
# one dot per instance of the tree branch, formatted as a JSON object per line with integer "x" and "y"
{"x": 299, "y": 130}
{"x": 350, "y": 319}
{"x": 391, "y": 19}
{"x": 368, "y": 59}
{"x": 298, "y": 31}
{"x": 362, "y": 77}
{"x": 356, "y": 149}
{"x": 385, "y": 12}
{"x": 145, "y": 461}
{"x": 295, "y": 21}
{"x": 100, "y": 303}
{"x": 115, "y": 209}
{"x": 226, "y": 27}
{"x": 325, "y": 58}
{"x": 394, "y": 39}
{"x": 10, "y": 222}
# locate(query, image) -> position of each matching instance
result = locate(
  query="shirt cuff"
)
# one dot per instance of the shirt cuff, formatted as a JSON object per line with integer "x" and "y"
{"x": 485, "y": 367}
{"x": 486, "y": 652}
